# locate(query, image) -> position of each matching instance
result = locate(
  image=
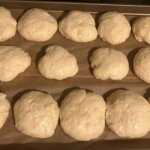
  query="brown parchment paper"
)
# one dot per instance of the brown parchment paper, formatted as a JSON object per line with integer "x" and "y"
{"x": 31, "y": 79}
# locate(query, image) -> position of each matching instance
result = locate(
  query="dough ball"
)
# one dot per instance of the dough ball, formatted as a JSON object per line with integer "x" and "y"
{"x": 57, "y": 63}
{"x": 141, "y": 64}
{"x": 36, "y": 114}
{"x": 37, "y": 25}
{"x": 4, "y": 109}
{"x": 7, "y": 25}
{"x": 141, "y": 29}
{"x": 114, "y": 28}
{"x": 13, "y": 61}
{"x": 78, "y": 26}
{"x": 82, "y": 115}
{"x": 128, "y": 114}
{"x": 109, "y": 64}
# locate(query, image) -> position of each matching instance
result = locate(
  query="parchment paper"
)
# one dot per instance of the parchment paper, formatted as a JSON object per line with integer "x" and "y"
{"x": 31, "y": 79}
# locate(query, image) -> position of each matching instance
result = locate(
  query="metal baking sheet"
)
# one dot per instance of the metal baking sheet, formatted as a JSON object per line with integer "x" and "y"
{"x": 10, "y": 138}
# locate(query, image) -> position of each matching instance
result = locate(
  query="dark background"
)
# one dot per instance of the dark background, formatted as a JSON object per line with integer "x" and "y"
{"x": 143, "y": 2}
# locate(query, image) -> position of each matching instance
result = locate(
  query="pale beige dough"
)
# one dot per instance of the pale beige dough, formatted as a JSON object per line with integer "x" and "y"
{"x": 109, "y": 64}
{"x": 141, "y": 64}
{"x": 128, "y": 114}
{"x": 57, "y": 63}
{"x": 82, "y": 115}
{"x": 37, "y": 25}
{"x": 7, "y": 24}
{"x": 13, "y": 61}
{"x": 113, "y": 28}
{"x": 78, "y": 26}
{"x": 4, "y": 109}
{"x": 141, "y": 29}
{"x": 36, "y": 114}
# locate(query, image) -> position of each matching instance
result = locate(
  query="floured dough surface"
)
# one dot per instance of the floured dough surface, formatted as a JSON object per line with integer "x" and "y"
{"x": 82, "y": 115}
{"x": 128, "y": 114}
{"x": 37, "y": 25}
{"x": 113, "y": 28}
{"x": 141, "y": 64}
{"x": 36, "y": 114}
{"x": 141, "y": 29}
{"x": 4, "y": 109}
{"x": 78, "y": 26}
{"x": 7, "y": 25}
{"x": 13, "y": 61}
{"x": 57, "y": 63}
{"x": 109, "y": 64}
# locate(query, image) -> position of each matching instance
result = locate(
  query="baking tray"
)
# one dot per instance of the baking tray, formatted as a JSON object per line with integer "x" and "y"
{"x": 10, "y": 138}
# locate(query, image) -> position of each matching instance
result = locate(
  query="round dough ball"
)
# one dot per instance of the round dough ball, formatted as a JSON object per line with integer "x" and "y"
{"x": 13, "y": 61}
{"x": 36, "y": 114}
{"x": 7, "y": 25}
{"x": 141, "y": 64}
{"x": 141, "y": 29}
{"x": 113, "y": 28}
{"x": 37, "y": 25}
{"x": 109, "y": 64}
{"x": 82, "y": 115}
{"x": 57, "y": 63}
{"x": 78, "y": 26}
{"x": 4, "y": 109}
{"x": 128, "y": 114}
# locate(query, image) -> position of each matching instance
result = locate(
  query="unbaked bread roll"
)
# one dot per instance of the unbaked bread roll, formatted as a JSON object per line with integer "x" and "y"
{"x": 37, "y": 25}
{"x": 78, "y": 26}
{"x": 109, "y": 64}
{"x": 13, "y": 61}
{"x": 36, "y": 114}
{"x": 141, "y": 64}
{"x": 128, "y": 114}
{"x": 113, "y": 28}
{"x": 141, "y": 29}
{"x": 82, "y": 115}
{"x": 57, "y": 63}
{"x": 7, "y": 25}
{"x": 4, "y": 109}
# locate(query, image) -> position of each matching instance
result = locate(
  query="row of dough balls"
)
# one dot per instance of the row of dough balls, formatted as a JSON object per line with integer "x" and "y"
{"x": 59, "y": 64}
{"x": 38, "y": 25}
{"x": 82, "y": 114}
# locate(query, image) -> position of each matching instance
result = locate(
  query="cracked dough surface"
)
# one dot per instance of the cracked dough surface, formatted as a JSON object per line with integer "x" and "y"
{"x": 13, "y": 61}
{"x": 57, "y": 63}
{"x": 128, "y": 114}
{"x": 109, "y": 64}
{"x": 141, "y": 29}
{"x": 78, "y": 26}
{"x": 4, "y": 109}
{"x": 37, "y": 25}
{"x": 36, "y": 114}
{"x": 7, "y": 24}
{"x": 141, "y": 64}
{"x": 82, "y": 115}
{"x": 113, "y": 28}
